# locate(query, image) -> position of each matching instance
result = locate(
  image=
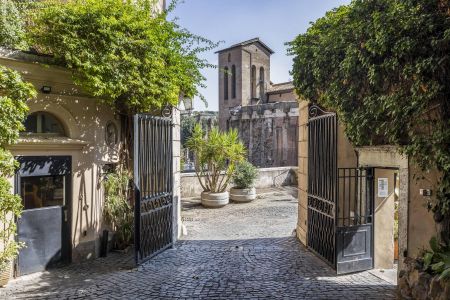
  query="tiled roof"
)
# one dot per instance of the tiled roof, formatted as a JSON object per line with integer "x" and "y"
{"x": 281, "y": 87}
{"x": 245, "y": 43}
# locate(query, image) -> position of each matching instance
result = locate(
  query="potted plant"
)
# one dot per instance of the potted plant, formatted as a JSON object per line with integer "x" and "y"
{"x": 244, "y": 178}
{"x": 10, "y": 209}
{"x": 215, "y": 158}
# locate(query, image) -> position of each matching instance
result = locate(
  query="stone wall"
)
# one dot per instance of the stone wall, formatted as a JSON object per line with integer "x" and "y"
{"x": 269, "y": 132}
{"x": 268, "y": 177}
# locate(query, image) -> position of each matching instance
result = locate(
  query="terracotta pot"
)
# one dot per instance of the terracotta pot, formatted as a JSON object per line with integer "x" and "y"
{"x": 243, "y": 195}
{"x": 215, "y": 200}
{"x": 5, "y": 275}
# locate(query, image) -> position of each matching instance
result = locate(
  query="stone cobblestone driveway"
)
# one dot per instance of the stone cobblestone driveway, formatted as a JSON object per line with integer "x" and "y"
{"x": 242, "y": 251}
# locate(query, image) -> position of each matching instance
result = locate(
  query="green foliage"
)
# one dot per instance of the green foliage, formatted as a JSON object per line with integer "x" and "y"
{"x": 216, "y": 155}
{"x": 13, "y": 94}
{"x": 384, "y": 67}
{"x": 245, "y": 175}
{"x": 122, "y": 52}
{"x": 437, "y": 260}
{"x": 12, "y": 26}
{"x": 117, "y": 209}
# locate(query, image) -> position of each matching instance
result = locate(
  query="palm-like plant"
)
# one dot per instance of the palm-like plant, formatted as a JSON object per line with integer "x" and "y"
{"x": 216, "y": 155}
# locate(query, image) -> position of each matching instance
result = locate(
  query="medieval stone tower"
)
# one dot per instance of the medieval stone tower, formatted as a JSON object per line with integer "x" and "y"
{"x": 264, "y": 114}
{"x": 244, "y": 77}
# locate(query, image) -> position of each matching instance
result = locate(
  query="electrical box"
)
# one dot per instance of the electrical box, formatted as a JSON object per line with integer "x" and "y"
{"x": 425, "y": 192}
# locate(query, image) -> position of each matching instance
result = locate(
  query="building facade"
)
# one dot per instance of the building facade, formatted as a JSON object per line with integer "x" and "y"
{"x": 265, "y": 114}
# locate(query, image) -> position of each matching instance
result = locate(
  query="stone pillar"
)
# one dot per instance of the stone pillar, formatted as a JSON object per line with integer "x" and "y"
{"x": 302, "y": 222}
{"x": 176, "y": 144}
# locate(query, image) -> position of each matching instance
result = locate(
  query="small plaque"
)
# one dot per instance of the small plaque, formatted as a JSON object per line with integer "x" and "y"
{"x": 382, "y": 187}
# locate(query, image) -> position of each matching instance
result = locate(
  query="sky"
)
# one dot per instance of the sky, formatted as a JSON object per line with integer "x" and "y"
{"x": 275, "y": 22}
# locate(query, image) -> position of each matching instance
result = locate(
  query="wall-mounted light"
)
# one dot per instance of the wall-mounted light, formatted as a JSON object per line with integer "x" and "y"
{"x": 46, "y": 89}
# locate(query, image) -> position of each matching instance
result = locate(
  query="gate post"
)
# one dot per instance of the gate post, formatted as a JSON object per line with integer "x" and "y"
{"x": 302, "y": 221}
{"x": 176, "y": 170}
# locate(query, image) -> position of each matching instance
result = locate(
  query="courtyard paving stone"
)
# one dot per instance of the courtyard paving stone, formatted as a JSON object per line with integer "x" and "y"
{"x": 220, "y": 258}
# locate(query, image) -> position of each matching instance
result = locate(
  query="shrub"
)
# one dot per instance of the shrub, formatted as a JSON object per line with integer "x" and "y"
{"x": 216, "y": 155}
{"x": 437, "y": 260}
{"x": 245, "y": 175}
{"x": 13, "y": 94}
{"x": 117, "y": 210}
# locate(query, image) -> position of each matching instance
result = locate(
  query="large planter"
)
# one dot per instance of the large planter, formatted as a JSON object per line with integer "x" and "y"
{"x": 243, "y": 195}
{"x": 214, "y": 200}
{"x": 5, "y": 275}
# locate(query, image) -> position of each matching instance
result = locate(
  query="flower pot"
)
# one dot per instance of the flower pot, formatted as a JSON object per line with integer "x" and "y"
{"x": 214, "y": 200}
{"x": 243, "y": 195}
{"x": 5, "y": 274}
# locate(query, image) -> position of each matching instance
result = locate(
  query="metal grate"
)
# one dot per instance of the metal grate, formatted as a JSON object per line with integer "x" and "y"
{"x": 322, "y": 178}
{"x": 153, "y": 185}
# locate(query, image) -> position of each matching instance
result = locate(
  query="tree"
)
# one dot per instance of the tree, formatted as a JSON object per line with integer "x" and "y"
{"x": 384, "y": 67}
{"x": 121, "y": 52}
{"x": 12, "y": 31}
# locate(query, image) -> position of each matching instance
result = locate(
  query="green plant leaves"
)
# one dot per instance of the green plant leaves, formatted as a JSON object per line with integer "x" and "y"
{"x": 216, "y": 154}
{"x": 122, "y": 52}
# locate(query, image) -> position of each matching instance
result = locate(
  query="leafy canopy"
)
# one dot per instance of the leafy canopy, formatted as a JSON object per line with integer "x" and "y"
{"x": 12, "y": 31}
{"x": 216, "y": 155}
{"x": 384, "y": 67}
{"x": 121, "y": 51}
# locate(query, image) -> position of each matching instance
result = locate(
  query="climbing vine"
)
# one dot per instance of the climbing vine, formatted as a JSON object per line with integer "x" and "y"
{"x": 13, "y": 94}
{"x": 122, "y": 52}
{"x": 384, "y": 67}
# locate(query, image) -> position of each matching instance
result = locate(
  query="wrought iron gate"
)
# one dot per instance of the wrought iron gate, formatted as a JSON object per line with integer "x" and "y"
{"x": 340, "y": 200}
{"x": 153, "y": 186}
{"x": 322, "y": 179}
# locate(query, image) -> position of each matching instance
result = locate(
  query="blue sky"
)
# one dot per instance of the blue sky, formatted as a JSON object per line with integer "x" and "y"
{"x": 233, "y": 21}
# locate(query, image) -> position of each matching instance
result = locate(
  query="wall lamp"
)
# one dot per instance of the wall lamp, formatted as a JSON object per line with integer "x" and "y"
{"x": 46, "y": 89}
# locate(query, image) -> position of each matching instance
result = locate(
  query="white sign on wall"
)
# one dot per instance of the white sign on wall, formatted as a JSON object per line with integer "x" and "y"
{"x": 382, "y": 187}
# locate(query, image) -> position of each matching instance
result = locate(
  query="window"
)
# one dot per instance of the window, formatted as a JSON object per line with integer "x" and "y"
{"x": 42, "y": 123}
{"x": 233, "y": 81}
{"x": 261, "y": 83}
{"x": 253, "y": 82}
{"x": 229, "y": 57}
{"x": 225, "y": 84}
{"x": 42, "y": 191}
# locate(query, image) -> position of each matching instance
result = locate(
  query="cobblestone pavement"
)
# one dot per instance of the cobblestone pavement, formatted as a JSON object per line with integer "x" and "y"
{"x": 221, "y": 258}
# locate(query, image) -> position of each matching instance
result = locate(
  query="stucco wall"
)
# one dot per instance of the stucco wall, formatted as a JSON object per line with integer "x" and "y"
{"x": 267, "y": 177}
{"x": 84, "y": 120}
{"x": 384, "y": 221}
{"x": 421, "y": 225}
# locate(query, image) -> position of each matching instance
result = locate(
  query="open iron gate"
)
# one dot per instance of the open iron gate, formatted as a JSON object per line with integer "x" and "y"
{"x": 340, "y": 200}
{"x": 153, "y": 178}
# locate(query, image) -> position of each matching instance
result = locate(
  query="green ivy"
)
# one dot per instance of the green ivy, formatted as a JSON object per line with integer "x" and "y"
{"x": 120, "y": 51}
{"x": 384, "y": 67}
{"x": 12, "y": 26}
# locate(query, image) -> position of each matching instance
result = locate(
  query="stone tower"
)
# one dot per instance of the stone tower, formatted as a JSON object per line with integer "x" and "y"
{"x": 244, "y": 77}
